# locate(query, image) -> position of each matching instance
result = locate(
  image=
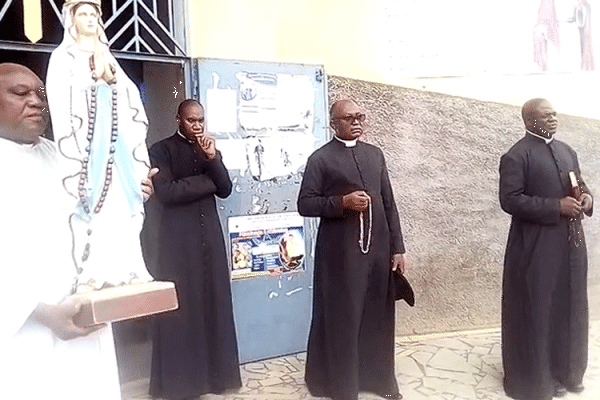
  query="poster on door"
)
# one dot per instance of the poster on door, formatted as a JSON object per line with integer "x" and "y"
{"x": 268, "y": 244}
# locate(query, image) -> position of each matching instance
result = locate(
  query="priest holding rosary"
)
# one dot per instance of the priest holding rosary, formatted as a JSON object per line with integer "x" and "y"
{"x": 351, "y": 342}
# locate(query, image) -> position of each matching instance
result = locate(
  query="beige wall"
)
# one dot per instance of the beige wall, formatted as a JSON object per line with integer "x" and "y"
{"x": 306, "y": 31}
{"x": 390, "y": 42}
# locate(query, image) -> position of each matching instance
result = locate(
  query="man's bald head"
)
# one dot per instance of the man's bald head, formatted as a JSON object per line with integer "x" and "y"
{"x": 529, "y": 107}
{"x": 23, "y": 108}
{"x": 346, "y": 119}
{"x": 338, "y": 105}
{"x": 185, "y": 104}
{"x": 9, "y": 68}
{"x": 540, "y": 117}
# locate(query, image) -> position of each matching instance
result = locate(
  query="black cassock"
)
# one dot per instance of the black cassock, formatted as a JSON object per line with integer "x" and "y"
{"x": 544, "y": 296}
{"x": 351, "y": 343}
{"x": 194, "y": 348}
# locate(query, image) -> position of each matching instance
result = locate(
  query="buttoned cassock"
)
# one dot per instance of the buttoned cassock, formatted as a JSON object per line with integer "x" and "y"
{"x": 195, "y": 347}
{"x": 544, "y": 297}
{"x": 351, "y": 343}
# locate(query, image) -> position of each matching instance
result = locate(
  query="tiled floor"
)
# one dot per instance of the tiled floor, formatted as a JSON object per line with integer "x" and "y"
{"x": 459, "y": 366}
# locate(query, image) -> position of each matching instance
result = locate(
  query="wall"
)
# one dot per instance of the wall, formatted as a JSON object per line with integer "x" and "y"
{"x": 443, "y": 151}
{"x": 443, "y": 155}
{"x": 571, "y": 93}
{"x": 468, "y": 48}
{"x": 306, "y": 31}
{"x": 384, "y": 40}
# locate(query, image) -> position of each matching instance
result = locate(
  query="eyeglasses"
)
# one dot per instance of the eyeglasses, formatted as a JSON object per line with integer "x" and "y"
{"x": 351, "y": 118}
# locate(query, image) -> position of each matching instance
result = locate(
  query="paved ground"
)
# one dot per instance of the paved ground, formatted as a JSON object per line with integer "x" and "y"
{"x": 457, "y": 366}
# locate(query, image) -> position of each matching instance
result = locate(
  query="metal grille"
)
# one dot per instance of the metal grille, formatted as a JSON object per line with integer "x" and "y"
{"x": 153, "y": 27}
{"x": 149, "y": 27}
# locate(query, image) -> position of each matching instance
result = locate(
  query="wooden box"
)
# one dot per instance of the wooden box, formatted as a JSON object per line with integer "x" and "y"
{"x": 125, "y": 302}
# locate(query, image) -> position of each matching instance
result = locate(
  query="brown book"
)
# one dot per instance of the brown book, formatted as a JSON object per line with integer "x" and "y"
{"x": 125, "y": 302}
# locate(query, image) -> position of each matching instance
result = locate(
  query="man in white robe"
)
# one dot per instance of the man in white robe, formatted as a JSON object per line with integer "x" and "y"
{"x": 44, "y": 354}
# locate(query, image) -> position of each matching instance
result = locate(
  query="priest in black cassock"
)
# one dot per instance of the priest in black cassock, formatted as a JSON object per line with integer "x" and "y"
{"x": 351, "y": 342}
{"x": 544, "y": 294}
{"x": 195, "y": 347}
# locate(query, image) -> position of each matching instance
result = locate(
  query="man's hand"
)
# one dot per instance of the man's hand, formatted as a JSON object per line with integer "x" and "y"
{"x": 570, "y": 207}
{"x": 59, "y": 318}
{"x": 586, "y": 202}
{"x": 357, "y": 200}
{"x": 399, "y": 262}
{"x": 147, "y": 186}
{"x": 207, "y": 145}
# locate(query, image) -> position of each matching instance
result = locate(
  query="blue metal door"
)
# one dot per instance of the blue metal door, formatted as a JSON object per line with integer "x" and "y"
{"x": 267, "y": 118}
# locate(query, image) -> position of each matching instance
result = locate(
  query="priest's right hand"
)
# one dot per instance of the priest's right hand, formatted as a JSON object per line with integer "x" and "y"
{"x": 59, "y": 318}
{"x": 357, "y": 200}
{"x": 570, "y": 207}
{"x": 207, "y": 145}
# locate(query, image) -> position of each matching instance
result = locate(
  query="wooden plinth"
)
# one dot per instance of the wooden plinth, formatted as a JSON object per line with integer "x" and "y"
{"x": 125, "y": 302}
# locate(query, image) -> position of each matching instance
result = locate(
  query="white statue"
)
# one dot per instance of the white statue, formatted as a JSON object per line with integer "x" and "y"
{"x": 100, "y": 126}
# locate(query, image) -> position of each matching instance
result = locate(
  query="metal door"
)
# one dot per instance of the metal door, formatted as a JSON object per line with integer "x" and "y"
{"x": 267, "y": 118}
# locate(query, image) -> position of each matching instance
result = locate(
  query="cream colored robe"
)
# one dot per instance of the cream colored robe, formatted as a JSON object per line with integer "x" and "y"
{"x": 36, "y": 267}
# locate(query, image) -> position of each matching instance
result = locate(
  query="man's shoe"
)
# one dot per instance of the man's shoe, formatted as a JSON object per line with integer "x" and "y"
{"x": 559, "y": 390}
{"x": 576, "y": 389}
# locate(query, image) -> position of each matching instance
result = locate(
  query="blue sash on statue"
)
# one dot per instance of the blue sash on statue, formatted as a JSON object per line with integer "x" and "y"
{"x": 100, "y": 154}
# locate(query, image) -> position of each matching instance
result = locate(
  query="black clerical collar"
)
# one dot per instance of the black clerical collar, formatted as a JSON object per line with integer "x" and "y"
{"x": 347, "y": 143}
{"x": 184, "y": 137}
{"x": 545, "y": 139}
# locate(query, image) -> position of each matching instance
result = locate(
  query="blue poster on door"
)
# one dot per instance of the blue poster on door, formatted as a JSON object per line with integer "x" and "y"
{"x": 268, "y": 244}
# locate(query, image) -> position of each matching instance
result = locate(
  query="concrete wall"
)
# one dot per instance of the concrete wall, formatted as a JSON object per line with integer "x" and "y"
{"x": 576, "y": 93}
{"x": 443, "y": 155}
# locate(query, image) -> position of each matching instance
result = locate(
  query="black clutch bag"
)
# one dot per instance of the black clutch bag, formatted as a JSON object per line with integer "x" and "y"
{"x": 402, "y": 289}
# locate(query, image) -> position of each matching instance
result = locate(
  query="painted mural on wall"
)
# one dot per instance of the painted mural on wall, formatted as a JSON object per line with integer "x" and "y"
{"x": 562, "y": 37}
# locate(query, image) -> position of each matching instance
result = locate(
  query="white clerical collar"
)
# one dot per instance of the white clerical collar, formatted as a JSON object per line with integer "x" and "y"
{"x": 347, "y": 143}
{"x": 183, "y": 136}
{"x": 545, "y": 139}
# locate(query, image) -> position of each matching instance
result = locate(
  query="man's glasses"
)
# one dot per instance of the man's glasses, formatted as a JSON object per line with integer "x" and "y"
{"x": 351, "y": 118}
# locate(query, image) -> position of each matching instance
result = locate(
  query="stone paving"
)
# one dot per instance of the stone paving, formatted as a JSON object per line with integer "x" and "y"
{"x": 455, "y": 366}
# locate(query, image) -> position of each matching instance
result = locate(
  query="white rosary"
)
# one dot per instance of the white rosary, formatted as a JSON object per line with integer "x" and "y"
{"x": 365, "y": 249}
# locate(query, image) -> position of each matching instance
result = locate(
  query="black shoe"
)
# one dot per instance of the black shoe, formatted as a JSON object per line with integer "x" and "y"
{"x": 559, "y": 390}
{"x": 576, "y": 389}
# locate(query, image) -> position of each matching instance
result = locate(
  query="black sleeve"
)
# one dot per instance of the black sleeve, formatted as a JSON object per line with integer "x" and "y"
{"x": 311, "y": 200}
{"x": 177, "y": 191}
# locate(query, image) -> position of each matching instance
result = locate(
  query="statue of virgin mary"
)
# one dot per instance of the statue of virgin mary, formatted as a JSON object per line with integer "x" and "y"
{"x": 99, "y": 126}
